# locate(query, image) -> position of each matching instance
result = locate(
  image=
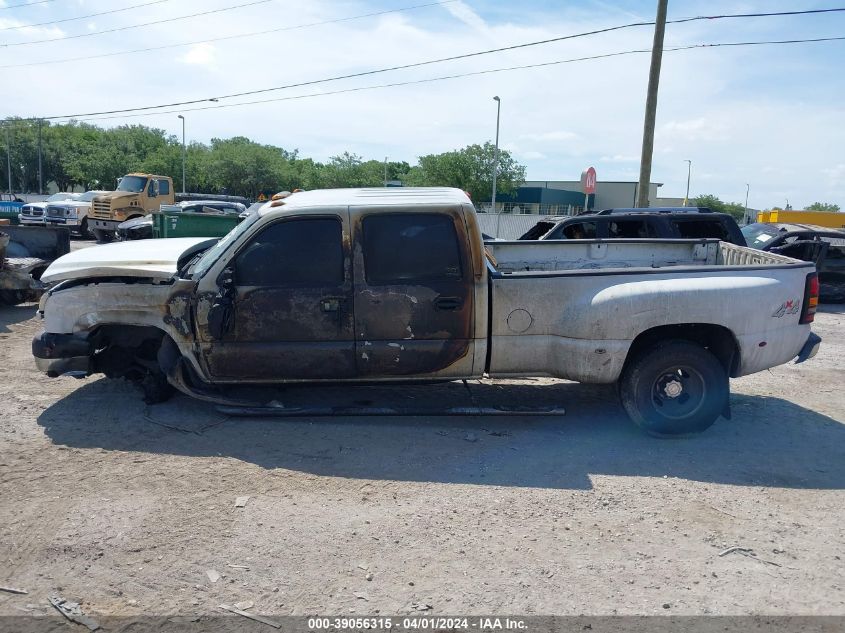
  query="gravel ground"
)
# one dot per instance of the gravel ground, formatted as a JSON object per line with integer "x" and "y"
{"x": 125, "y": 507}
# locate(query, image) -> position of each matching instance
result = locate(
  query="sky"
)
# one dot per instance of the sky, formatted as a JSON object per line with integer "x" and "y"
{"x": 767, "y": 120}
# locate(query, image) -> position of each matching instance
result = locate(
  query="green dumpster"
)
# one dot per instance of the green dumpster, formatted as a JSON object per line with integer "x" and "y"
{"x": 167, "y": 223}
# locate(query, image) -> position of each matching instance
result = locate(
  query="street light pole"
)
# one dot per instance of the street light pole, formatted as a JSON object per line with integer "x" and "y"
{"x": 385, "y": 171}
{"x": 496, "y": 153}
{"x": 8, "y": 156}
{"x": 747, "y": 189}
{"x": 689, "y": 171}
{"x": 40, "y": 174}
{"x": 183, "y": 152}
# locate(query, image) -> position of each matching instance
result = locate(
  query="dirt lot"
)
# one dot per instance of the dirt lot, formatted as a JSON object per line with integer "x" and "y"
{"x": 125, "y": 507}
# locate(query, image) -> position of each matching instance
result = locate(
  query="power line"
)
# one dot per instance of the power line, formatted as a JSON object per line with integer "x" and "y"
{"x": 230, "y": 37}
{"x": 137, "y": 26}
{"x": 398, "y": 67}
{"x": 468, "y": 74}
{"x": 82, "y": 17}
{"x": 25, "y": 4}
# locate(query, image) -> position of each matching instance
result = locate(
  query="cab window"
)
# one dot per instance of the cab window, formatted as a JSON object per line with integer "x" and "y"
{"x": 696, "y": 229}
{"x": 580, "y": 231}
{"x": 409, "y": 247}
{"x": 307, "y": 252}
{"x": 631, "y": 229}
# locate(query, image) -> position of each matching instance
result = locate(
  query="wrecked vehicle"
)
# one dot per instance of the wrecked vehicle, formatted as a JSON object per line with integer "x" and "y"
{"x": 25, "y": 253}
{"x": 363, "y": 285}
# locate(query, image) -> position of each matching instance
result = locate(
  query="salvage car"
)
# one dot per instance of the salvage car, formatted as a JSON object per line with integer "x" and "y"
{"x": 393, "y": 285}
{"x": 33, "y": 213}
{"x": 10, "y": 208}
{"x": 72, "y": 213}
{"x": 638, "y": 223}
{"x": 821, "y": 245}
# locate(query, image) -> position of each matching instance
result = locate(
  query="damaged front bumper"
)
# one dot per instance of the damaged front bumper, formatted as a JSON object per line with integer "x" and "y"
{"x": 59, "y": 354}
{"x": 810, "y": 349}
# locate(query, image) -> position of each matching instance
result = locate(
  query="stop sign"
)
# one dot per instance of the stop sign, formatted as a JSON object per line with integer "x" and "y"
{"x": 588, "y": 180}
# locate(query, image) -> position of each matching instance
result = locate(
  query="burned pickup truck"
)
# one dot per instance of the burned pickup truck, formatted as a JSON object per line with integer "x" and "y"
{"x": 378, "y": 285}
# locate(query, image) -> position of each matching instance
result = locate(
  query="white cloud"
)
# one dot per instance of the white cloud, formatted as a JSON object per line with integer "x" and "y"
{"x": 552, "y": 136}
{"x": 465, "y": 14}
{"x": 39, "y": 32}
{"x": 699, "y": 129}
{"x": 835, "y": 174}
{"x": 199, "y": 55}
{"x": 619, "y": 158}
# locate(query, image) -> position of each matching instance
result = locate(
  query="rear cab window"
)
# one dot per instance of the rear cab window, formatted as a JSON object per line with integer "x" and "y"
{"x": 405, "y": 248}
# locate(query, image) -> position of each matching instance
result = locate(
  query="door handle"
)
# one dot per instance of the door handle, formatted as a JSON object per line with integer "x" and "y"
{"x": 330, "y": 304}
{"x": 448, "y": 303}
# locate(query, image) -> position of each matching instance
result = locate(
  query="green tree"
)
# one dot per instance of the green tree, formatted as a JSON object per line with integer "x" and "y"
{"x": 823, "y": 206}
{"x": 470, "y": 169}
{"x": 735, "y": 209}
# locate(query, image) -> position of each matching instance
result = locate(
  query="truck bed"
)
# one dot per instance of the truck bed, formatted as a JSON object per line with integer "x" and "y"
{"x": 588, "y": 255}
{"x": 572, "y": 308}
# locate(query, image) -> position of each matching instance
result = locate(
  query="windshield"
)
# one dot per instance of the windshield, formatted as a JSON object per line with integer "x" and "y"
{"x": 134, "y": 184}
{"x": 56, "y": 197}
{"x": 756, "y": 235}
{"x": 212, "y": 254}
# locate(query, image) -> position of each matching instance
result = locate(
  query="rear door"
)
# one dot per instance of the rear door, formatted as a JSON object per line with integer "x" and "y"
{"x": 413, "y": 293}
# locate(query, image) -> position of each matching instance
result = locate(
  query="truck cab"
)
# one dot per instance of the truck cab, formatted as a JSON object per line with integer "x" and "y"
{"x": 137, "y": 194}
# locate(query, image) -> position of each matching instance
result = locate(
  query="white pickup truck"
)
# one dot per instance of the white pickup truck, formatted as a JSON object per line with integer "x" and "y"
{"x": 362, "y": 285}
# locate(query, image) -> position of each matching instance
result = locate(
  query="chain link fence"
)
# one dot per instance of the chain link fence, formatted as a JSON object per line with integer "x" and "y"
{"x": 515, "y": 218}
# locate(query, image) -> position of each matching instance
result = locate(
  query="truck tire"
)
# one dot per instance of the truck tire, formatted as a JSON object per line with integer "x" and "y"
{"x": 84, "y": 231}
{"x": 677, "y": 388}
{"x": 155, "y": 388}
{"x": 103, "y": 236}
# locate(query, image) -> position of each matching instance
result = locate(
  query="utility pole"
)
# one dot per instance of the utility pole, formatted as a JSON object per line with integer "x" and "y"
{"x": 651, "y": 105}
{"x": 40, "y": 174}
{"x": 385, "y": 171}
{"x": 184, "y": 153}
{"x": 689, "y": 171}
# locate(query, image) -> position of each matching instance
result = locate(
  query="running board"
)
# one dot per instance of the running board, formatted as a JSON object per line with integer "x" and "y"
{"x": 353, "y": 411}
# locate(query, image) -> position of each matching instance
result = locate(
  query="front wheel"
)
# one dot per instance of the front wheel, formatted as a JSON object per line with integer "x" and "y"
{"x": 676, "y": 388}
{"x": 84, "y": 231}
{"x": 102, "y": 236}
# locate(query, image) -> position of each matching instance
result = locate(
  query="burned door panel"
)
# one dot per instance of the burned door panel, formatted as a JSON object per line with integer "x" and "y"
{"x": 292, "y": 316}
{"x": 413, "y": 293}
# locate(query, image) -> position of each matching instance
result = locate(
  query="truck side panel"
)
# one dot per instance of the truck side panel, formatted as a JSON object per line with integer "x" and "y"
{"x": 585, "y": 322}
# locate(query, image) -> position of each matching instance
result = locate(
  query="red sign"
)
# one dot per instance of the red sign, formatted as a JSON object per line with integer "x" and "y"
{"x": 588, "y": 180}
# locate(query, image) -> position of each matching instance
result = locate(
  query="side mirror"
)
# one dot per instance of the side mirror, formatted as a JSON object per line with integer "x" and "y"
{"x": 220, "y": 312}
{"x": 154, "y": 189}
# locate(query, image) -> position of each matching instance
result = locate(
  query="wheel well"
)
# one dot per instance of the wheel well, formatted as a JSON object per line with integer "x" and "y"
{"x": 127, "y": 350}
{"x": 717, "y": 339}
